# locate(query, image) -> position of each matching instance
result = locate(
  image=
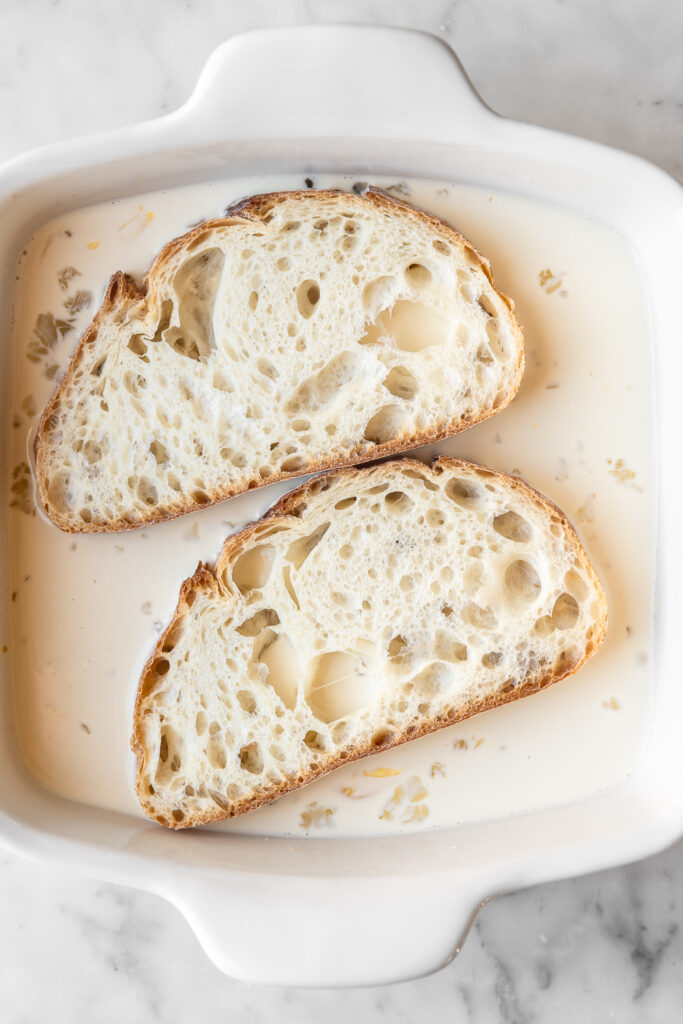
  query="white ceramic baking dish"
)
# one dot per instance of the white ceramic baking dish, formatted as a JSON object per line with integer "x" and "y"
{"x": 364, "y": 911}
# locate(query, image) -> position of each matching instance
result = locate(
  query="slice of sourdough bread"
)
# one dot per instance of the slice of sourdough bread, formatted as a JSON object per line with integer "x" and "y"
{"x": 367, "y": 608}
{"x": 306, "y": 330}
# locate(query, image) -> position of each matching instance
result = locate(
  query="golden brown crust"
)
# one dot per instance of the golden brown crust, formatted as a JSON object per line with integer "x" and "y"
{"x": 122, "y": 289}
{"x": 290, "y": 504}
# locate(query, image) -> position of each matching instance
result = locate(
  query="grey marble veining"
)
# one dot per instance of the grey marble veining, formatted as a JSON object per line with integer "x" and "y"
{"x": 606, "y": 947}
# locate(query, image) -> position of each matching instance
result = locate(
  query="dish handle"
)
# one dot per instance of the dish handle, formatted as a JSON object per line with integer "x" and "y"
{"x": 332, "y": 80}
{"x": 326, "y": 933}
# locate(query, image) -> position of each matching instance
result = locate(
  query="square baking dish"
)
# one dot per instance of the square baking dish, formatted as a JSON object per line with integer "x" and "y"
{"x": 368, "y": 102}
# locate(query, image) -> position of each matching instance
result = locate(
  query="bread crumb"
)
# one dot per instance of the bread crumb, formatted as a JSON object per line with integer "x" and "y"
{"x": 66, "y": 275}
{"x": 399, "y": 188}
{"x": 316, "y": 816}
{"x": 438, "y": 768}
{"x": 85, "y": 728}
{"x": 382, "y": 773}
{"x": 612, "y": 704}
{"x": 4, "y": 648}
{"x": 550, "y": 282}
{"x": 93, "y": 245}
{"x": 586, "y": 512}
{"x": 460, "y": 745}
{"x": 192, "y": 533}
{"x": 21, "y": 490}
{"x": 623, "y": 475}
{"x": 146, "y": 608}
{"x": 478, "y": 743}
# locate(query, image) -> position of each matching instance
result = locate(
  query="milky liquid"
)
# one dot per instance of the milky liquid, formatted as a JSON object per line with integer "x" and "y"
{"x": 88, "y": 609}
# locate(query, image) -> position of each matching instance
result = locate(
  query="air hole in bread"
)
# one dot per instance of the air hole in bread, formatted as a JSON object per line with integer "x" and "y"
{"x": 397, "y": 647}
{"x": 486, "y": 305}
{"x": 477, "y": 617}
{"x": 252, "y": 569}
{"x": 381, "y": 737}
{"x": 300, "y": 425}
{"x": 385, "y": 425}
{"x": 314, "y": 740}
{"x": 432, "y": 679}
{"x": 247, "y": 701}
{"x": 170, "y": 755}
{"x": 220, "y": 800}
{"x": 283, "y": 671}
{"x": 92, "y": 452}
{"x": 448, "y": 648}
{"x": 267, "y": 368}
{"x": 200, "y": 497}
{"x": 401, "y": 383}
{"x": 544, "y": 626}
{"x": 173, "y": 482}
{"x": 307, "y": 298}
{"x": 146, "y": 491}
{"x": 340, "y": 732}
{"x": 220, "y": 382}
{"x": 496, "y": 340}
{"x": 441, "y": 247}
{"x": 576, "y": 585}
{"x": 259, "y": 621}
{"x": 134, "y": 383}
{"x": 159, "y": 452}
{"x": 434, "y": 518}
{"x": 196, "y": 286}
{"x": 319, "y": 390}
{"x": 200, "y": 723}
{"x": 491, "y": 659}
{"x": 463, "y": 493}
{"x": 136, "y": 345}
{"x": 414, "y": 475}
{"x": 238, "y": 459}
{"x": 216, "y": 752}
{"x": 86, "y": 515}
{"x": 417, "y": 275}
{"x": 379, "y": 294}
{"x": 173, "y": 636}
{"x": 299, "y": 550}
{"x": 338, "y": 685}
{"x": 345, "y": 503}
{"x": 293, "y": 464}
{"x": 522, "y": 582}
{"x": 175, "y": 338}
{"x": 398, "y": 502}
{"x": 289, "y": 586}
{"x": 250, "y": 758}
{"x": 565, "y": 612}
{"x": 411, "y": 326}
{"x": 514, "y": 527}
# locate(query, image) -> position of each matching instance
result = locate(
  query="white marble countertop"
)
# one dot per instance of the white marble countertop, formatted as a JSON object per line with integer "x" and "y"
{"x": 605, "y": 947}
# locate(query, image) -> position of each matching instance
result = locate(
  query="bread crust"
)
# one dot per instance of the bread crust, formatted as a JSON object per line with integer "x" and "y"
{"x": 123, "y": 291}
{"x": 286, "y": 507}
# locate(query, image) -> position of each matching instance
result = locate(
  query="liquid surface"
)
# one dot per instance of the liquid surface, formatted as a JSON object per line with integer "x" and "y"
{"x": 88, "y": 609}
